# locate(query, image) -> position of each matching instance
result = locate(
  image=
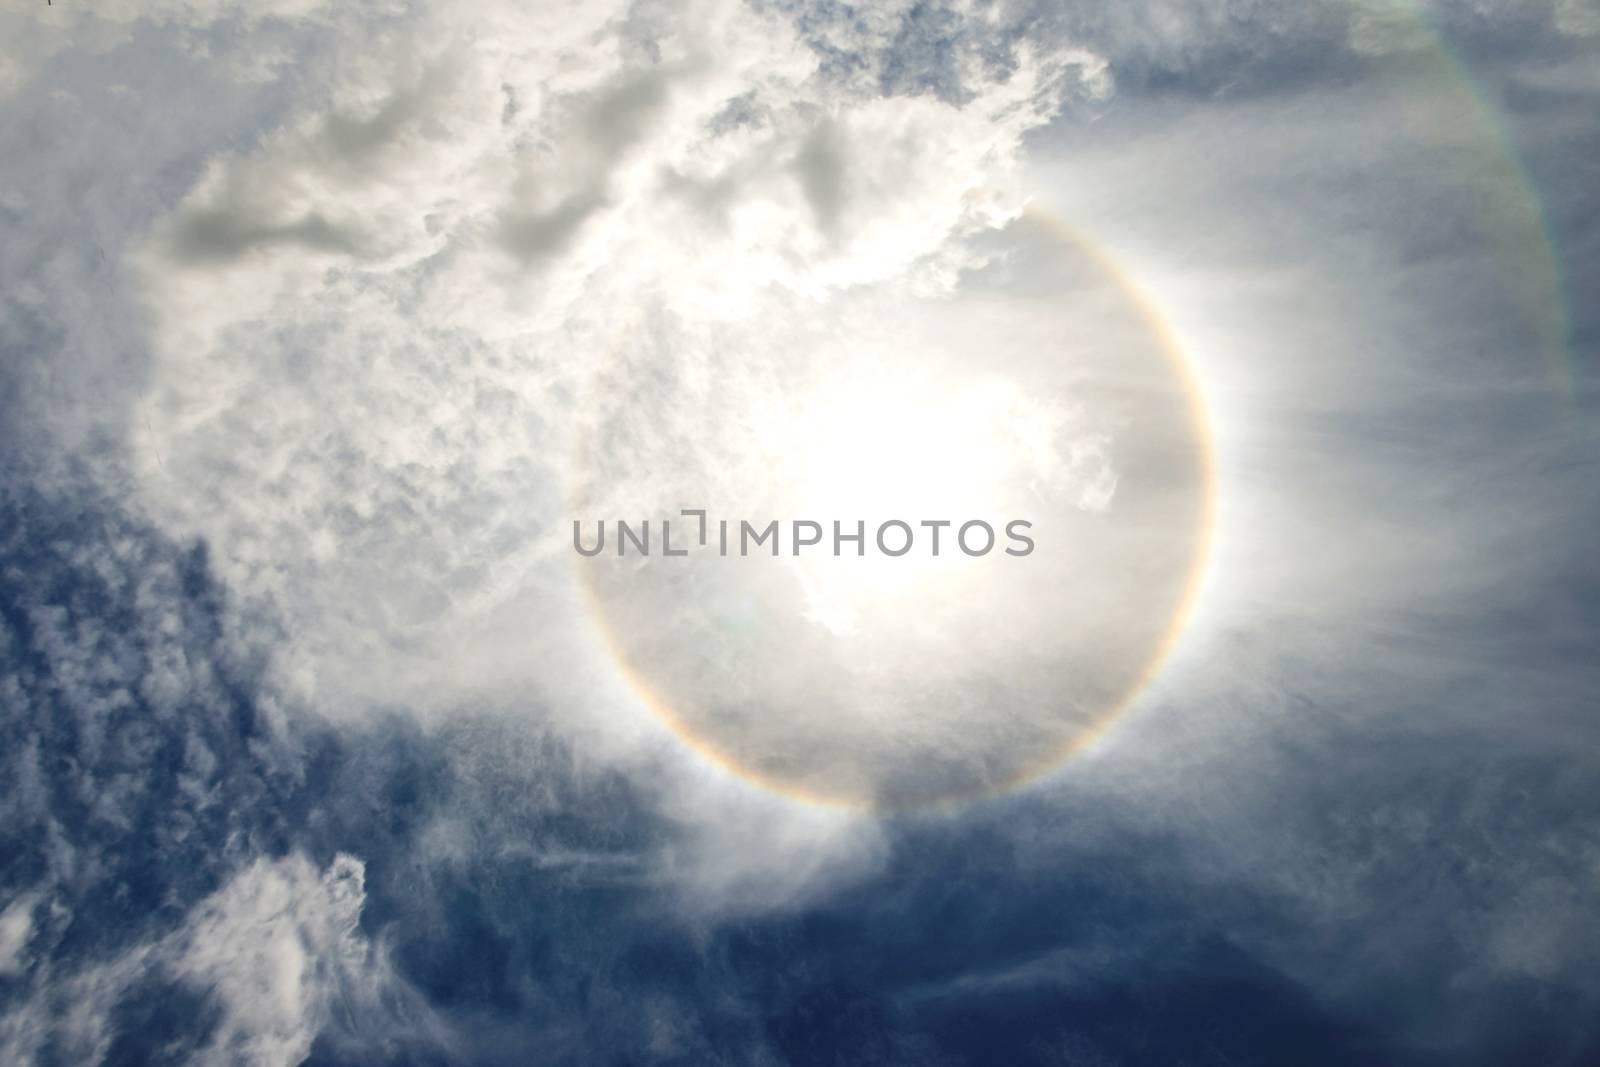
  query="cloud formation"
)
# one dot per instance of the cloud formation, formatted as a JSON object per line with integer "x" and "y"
{"x": 326, "y": 403}
{"x": 386, "y": 308}
{"x": 258, "y": 970}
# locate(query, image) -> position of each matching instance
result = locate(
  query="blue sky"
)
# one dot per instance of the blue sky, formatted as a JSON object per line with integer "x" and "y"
{"x": 319, "y": 322}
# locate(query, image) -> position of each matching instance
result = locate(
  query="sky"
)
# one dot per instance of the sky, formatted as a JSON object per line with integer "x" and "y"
{"x": 322, "y": 324}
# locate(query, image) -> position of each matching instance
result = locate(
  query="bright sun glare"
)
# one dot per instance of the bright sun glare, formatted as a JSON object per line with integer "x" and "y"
{"x": 887, "y": 445}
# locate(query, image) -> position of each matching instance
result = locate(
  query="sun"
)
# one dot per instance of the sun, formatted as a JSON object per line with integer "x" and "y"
{"x": 890, "y": 441}
{"x": 850, "y": 660}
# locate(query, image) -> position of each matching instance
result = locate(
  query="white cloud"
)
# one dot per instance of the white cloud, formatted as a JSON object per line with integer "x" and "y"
{"x": 277, "y": 949}
{"x": 369, "y": 333}
{"x": 16, "y": 928}
{"x": 71, "y": 1017}
{"x": 1581, "y": 18}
